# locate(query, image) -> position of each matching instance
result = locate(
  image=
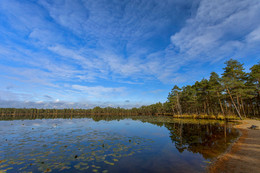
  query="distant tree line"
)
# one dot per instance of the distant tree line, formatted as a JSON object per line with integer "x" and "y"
{"x": 234, "y": 93}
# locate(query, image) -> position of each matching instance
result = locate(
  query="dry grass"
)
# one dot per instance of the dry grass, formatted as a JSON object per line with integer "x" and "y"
{"x": 205, "y": 116}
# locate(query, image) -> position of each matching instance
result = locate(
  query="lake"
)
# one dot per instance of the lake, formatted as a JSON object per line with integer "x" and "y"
{"x": 105, "y": 144}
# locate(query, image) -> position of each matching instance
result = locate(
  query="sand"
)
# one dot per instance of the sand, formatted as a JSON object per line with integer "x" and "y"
{"x": 244, "y": 156}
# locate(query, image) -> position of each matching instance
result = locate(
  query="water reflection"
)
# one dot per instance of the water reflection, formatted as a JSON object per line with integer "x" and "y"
{"x": 111, "y": 144}
{"x": 210, "y": 140}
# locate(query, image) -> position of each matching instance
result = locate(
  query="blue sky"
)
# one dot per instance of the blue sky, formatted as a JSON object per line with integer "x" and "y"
{"x": 83, "y": 53}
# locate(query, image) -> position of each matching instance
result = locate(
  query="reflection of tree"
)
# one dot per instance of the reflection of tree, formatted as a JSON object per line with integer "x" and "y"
{"x": 206, "y": 139}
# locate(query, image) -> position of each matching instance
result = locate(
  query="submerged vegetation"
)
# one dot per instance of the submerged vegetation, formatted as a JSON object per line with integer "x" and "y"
{"x": 234, "y": 94}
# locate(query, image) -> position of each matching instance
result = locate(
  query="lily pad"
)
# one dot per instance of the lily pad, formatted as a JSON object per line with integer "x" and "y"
{"x": 109, "y": 163}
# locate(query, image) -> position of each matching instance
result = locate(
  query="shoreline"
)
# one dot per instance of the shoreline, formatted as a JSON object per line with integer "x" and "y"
{"x": 244, "y": 154}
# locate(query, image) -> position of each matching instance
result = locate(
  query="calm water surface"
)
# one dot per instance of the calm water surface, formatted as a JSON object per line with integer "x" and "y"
{"x": 127, "y": 145}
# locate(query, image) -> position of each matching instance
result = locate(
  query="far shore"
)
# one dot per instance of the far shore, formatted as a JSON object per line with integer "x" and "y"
{"x": 244, "y": 154}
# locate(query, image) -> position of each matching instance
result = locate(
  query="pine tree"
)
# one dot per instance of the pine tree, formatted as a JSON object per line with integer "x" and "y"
{"x": 174, "y": 99}
{"x": 234, "y": 82}
{"x": 215, "y": 90}
{"x": 255, "y": 75}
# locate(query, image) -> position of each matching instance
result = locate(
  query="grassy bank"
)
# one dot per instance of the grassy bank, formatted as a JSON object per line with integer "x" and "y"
{"x": 205, "y": 116}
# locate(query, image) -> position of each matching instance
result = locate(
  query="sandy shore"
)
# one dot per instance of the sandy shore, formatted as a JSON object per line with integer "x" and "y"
{"x": 244, "y": 155}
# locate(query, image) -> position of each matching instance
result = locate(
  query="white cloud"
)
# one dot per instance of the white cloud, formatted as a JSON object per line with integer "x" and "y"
{"x": 98, "y": 91}
{"x": 113, "y": 28}
{"x": 254, "y": 36}
{"x": 69, "y": 53}
{"x": 218, "y": 28}
{"x": 69, "y": 13}
{"x": 109, "y": 31}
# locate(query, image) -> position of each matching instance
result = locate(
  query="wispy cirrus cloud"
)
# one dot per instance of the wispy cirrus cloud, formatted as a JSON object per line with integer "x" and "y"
{"x": 219, "y": 29}
{"x": 99, "y": 91}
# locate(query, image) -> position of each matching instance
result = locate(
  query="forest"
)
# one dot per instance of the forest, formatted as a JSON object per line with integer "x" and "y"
{"x": 235, "y": 93}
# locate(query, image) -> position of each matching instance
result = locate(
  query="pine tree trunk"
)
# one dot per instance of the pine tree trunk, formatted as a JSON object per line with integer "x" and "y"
{"x": 207, "y": 104}
{"x": 221, "y": 104}
{"x": 179, "y": 105}
{"x": 242, "y": 105}
{"x": 204, "y": 107}
{"x": 234, "y": 104}
{"x": 238, "y": 105}
{"x": 226, "y": 108}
